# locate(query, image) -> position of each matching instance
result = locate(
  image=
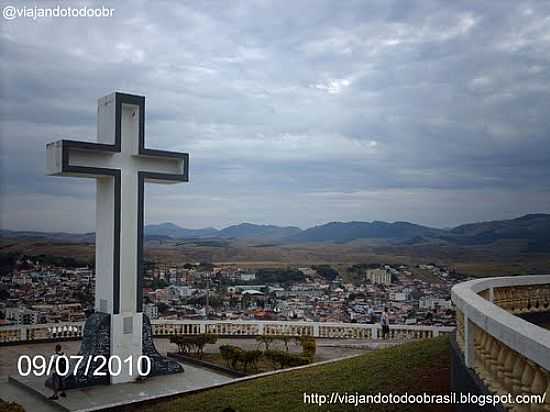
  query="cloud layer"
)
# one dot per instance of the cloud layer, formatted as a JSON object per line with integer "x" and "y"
{"x": 302, "y": 113}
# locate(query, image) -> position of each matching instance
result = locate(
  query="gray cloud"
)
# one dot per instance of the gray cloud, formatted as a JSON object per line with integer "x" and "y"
{"x": 292, "y": 114}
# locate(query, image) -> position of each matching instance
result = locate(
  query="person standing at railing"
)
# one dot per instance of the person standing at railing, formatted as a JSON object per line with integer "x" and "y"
{"x": 385, "y": 323}
{"x": 370, "y": 314}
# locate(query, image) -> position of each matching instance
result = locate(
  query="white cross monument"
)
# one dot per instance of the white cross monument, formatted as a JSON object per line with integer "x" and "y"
{"x": 121, "y": 165}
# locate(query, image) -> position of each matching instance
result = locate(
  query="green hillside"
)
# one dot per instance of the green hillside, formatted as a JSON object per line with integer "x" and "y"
{"x": 414, "y": 367}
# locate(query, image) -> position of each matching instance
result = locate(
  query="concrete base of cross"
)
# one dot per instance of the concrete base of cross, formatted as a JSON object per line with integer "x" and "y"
{"x": 96, "y": 341}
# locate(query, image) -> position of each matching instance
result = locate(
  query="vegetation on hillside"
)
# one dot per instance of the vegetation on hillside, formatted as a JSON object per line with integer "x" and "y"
{"x": 8, "y": 261}
{"x": 279, "y": 275}
{"x": 326, "y": 271}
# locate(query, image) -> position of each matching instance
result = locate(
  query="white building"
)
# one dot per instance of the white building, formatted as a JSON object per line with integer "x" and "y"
{"x": 22, "y": 316}
{"x": 181, "y": 291}
{"x": 309, "y": 272}
{"x": 398, "y": 296}
{"x": 247, "y": 277}
{"x": 431, "y": 303}
{"x": 379, "y": 276}
{"x": 151, "y": 310}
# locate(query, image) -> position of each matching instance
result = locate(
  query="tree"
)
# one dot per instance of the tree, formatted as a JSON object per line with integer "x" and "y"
{"x": 158, "y": 284}
{"x": 280, "y": 275}
{"x": 326, "y": 271}
{"x": 163, "y": 307}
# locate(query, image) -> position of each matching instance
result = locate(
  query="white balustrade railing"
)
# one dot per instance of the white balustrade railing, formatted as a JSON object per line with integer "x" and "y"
{"x": 59, "y": 331}
{"x": 315, "y": 329}
{"x": 29, "y": 333}
{"x": 508, "y": 353}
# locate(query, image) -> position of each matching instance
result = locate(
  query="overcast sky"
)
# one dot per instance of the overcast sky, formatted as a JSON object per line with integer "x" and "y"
{"x": 293, "y": 112}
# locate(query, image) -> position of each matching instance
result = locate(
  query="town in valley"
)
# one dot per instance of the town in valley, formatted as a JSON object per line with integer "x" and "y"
{"x": 47, "y": 290}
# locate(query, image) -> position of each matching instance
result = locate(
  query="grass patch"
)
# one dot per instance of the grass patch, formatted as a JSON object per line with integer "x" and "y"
{"x": 416, "y": 367}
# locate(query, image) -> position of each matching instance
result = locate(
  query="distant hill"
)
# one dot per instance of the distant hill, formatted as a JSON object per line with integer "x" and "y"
{"x": 258, "y": 232}
{"x": 532, "y": 230}
{"x": 342, "y": 232}
{"x": 176, "y": 232}
{"x": 242, "y": 231}
{"x": 49, "y": 236}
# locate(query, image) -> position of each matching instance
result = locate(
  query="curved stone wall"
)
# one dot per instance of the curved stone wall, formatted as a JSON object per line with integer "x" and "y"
{"x": 507, "y": 353}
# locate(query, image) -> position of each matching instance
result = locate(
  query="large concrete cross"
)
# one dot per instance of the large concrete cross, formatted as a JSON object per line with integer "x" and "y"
{"x": 121, "y": 165}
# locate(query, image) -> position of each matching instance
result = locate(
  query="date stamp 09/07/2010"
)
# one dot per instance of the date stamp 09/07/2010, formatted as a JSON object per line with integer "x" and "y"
{"x": 98, "y": 365}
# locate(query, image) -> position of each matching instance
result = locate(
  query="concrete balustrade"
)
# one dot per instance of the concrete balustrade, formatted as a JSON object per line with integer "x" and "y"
{"x": 523, "y": 300}
{"x": 315, "y": 329}
{"x": 30, "y": 333}
{"x": 73, "y": 330}
{"x": 507, "y": 353}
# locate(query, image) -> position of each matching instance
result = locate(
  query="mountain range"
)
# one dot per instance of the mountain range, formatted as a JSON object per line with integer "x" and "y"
{"x": 534, "y": 229}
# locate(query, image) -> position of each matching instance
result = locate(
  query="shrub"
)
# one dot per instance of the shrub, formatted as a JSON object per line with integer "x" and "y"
{"x": 285, "y": 338}
{"x": 233, "y": 355}
{"x": 186, "y": 343}
{"x": 265, "y": 340}
{"x": 230, "y": 355}
{"x": 281, "y": 359}
{"x": 203, "y": 340}
{"x": 309, "y": 346}
{"x": 183, "y": 342}
{"x": 268, "y": 340}
{"x": 249, "y": 358}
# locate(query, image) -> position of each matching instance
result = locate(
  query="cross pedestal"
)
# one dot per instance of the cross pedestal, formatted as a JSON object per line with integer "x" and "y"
{"x": 121, "y": 165}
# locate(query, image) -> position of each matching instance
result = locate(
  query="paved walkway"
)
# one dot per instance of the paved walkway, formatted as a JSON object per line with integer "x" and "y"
{"x": 326, "y": 349}
{"x": 102, "y": 396}
{"x": 32, "y": 394}
{"x": 31, "y": 402}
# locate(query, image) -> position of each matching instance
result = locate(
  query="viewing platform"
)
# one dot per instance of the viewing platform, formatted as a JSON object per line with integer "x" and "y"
{"x": 335, "y": 341}
{"x": 497, "y": 351}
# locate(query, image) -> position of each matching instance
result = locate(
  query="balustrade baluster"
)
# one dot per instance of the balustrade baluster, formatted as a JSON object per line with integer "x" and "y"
{"x": 546, "y": 405}
{"x": 517, "y": 373}
{"x": 508, "y": 370}
{"x": 538, "y": 386}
